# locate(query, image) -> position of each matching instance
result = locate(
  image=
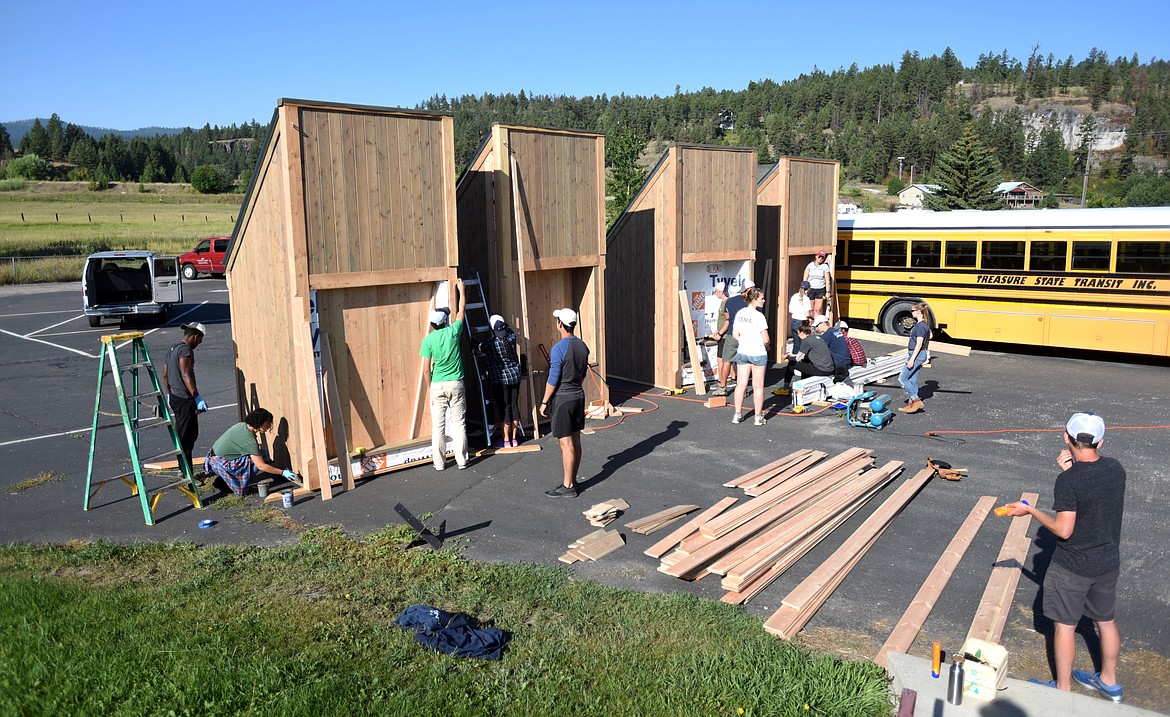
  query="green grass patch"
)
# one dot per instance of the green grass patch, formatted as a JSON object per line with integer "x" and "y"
{"x": 308, "y": 629}
{"x": 12, "y": 185}
{"x": 64, "y": 219}
{"x": 42, "y": 477}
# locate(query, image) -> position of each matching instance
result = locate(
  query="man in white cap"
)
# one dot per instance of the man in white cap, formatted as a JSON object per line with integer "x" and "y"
{"x": 181, "y": 388}
{"x": 730, "y": 345}
{"x": 443, "y": 367}
{"x": 568, "y": 363}
{"x": 719, "y": 329}
{"x": 1088, "y": 499}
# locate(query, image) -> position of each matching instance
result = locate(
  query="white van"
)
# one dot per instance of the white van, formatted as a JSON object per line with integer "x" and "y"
{"x": 116, "y": 284}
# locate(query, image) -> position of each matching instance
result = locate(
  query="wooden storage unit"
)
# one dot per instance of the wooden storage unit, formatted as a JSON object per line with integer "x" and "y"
{"x": 551, "y": 209}
{"x": 697, "y": 211}
{"x": 796, "y": 202}
{"x": 349, "y": 220}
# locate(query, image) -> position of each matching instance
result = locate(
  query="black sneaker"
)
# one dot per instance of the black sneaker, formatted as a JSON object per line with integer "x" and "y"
{"x": 561, "y": 492}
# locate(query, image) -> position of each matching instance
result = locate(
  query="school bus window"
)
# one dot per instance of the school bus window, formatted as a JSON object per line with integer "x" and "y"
{"x": 840, "y": 252}
{"x": 1048, "y": 255}
{"x": 892, "y": 253}
{"x": 960, "y": 253}
{"x": 1003, "y": 255}
{"x": 926, "y": 253}
{"x": 861, "y": 252}
{"x": 1090, "y": 256}
{"x": 1143, "y": 257}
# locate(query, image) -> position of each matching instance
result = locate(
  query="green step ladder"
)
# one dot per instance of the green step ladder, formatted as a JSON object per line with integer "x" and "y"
{"x": 135, "y": 422}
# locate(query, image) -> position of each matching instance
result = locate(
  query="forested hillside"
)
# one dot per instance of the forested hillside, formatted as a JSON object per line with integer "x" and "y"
{"x": 865, "y": 118}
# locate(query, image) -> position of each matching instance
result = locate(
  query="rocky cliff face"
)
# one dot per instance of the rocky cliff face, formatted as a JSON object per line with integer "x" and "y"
{"x": 1110, "y": 132}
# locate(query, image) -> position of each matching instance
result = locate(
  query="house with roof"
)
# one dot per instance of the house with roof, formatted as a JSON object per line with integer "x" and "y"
{"x": 913, "y": 196}
{"x": 1018, "y": 195}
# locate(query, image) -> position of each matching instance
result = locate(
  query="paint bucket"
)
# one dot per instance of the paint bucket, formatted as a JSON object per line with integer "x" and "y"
{"x": 286, "y": 499}
{"x": 262, "y": 489}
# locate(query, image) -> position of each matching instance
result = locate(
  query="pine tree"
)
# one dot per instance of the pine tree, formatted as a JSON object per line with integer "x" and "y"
{"x": 626, "y": 176}
{"x": 966, "y": 175}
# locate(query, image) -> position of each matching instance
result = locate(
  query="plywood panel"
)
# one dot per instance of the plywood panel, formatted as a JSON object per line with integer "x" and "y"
{"x": 376, "y": 332}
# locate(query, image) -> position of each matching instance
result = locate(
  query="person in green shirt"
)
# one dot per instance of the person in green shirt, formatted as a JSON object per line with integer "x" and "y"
{"x": 237, "y": 460}
{"x": 443, "y": 367}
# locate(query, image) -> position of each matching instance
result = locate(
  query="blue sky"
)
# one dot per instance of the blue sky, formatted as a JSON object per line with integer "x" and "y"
{"x": 136, "y": 64}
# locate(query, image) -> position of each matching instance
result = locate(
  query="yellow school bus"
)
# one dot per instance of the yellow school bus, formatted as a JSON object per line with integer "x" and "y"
{"x": 1076, "y": 278}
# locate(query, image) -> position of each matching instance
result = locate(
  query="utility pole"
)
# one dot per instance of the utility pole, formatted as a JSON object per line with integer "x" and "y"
{"x": 1088, "y": 162}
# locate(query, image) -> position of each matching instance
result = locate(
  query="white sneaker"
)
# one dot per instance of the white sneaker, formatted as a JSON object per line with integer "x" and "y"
{"x": 737, "y": 418}
{"x": 760, "y": 420}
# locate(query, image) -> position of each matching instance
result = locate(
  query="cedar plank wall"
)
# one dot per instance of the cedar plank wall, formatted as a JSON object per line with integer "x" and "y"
{"x": 797, "y": 215}
{"x": 257, "y": 278}
{"x": 375, "y": 201}
{"x": 699, "y": 202}
{"x": 635, "y": 280}
{"x": 561, "y": 204}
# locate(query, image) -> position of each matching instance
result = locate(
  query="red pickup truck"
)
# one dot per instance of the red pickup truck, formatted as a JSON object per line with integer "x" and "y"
{"x": 206, "y": 258}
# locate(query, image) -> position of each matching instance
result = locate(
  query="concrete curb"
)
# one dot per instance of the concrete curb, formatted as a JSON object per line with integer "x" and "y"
{"x": 1019, "y": 698}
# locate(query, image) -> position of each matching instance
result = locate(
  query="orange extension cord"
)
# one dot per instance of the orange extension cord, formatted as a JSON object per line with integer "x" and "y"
{"x": 639, "y": 396}
{"x": 937, "y": 434}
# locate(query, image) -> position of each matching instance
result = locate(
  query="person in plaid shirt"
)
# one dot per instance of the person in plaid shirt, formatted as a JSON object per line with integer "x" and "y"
{"x": 504, "y": 371}
{"x": 856, "y": 352}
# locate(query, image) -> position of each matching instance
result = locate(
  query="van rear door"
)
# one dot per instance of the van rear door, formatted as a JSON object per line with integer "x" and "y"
{"x": 167, "y": 287}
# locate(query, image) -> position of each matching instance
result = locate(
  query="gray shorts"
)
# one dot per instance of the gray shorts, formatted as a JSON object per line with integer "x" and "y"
{"x": 1068, "y": 596}
{"x": 730, "y": 349}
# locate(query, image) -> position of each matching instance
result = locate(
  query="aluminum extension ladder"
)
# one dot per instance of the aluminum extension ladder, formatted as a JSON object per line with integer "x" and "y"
{"x": 477, "y": 331}
{"x": 130, "y": 403}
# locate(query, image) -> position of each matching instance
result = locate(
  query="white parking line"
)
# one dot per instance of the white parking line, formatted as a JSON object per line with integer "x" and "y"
{"x": 87, "y": 429}
{"x": 49, "y": 343}
{"x": 38, "y": 313}
{"x": 38, "y": 331}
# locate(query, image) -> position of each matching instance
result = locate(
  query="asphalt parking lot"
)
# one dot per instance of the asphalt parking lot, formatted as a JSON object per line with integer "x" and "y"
{"x": 680, "y": 452}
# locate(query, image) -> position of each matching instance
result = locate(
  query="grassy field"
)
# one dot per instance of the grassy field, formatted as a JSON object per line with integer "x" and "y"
{"x": 309, "y": 629}
{"x": 64, "y": 219}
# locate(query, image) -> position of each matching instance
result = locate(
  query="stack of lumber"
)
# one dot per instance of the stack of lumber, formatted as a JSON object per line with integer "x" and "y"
{"x": 659, "y": 520}
{"x": 807, "y": 597}
{"x": 594, "y": 546}
{"x": 996, "y": 603}
{"x": 797, "y": 501}
{"x": 603, "y": 514}
{"x": 816, "y": 388}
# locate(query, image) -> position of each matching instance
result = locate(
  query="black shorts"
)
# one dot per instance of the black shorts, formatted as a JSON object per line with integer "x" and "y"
{"x": 567, "y": 415}
{"x": 1067, "y": 596}
{"x": 816, "y": 293}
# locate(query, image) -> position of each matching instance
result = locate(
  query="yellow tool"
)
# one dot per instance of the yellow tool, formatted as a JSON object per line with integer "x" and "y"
{"x": 798, "y": 409}
{"x": 673, "y": 391}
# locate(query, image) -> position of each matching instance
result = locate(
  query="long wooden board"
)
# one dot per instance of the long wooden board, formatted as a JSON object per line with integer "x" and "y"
{"x": 912, "y": 620}
{"x": 996, "y": 603}
{"x": 700, "y": 381}
{"x": 935, "y": 346}
{"x": 768, "y": 470}
{"x": 807, "y": 597}
{"x": 690, "y": 527}
{"x": 661, "y": 519}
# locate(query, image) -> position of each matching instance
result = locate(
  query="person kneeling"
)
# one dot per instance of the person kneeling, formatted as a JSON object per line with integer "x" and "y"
{"x": 814, "y": 360}
{"x": 236, "y": 458}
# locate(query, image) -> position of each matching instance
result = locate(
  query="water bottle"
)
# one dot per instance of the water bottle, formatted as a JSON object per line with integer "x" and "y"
{"x": 955, "y": 684}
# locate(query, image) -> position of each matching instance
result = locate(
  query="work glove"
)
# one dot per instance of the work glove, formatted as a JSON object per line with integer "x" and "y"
{"x": 200, "y": 404}
{"x": 288, "y": 474}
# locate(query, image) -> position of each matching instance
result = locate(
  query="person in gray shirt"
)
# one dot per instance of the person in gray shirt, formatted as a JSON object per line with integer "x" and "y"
{"x": 1088, "y": 501}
